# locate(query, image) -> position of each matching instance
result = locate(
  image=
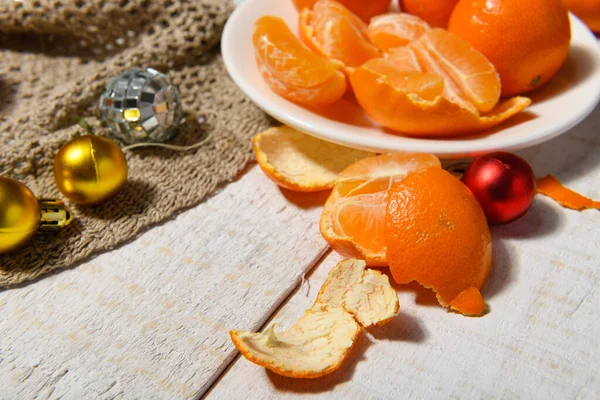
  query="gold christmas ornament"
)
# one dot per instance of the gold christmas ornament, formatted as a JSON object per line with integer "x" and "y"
{"x": 90, "y": 169}
{"x": 22, "y": 215}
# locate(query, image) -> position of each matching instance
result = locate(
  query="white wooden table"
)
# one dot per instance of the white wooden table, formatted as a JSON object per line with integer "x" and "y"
{"x": 150, "y": 320}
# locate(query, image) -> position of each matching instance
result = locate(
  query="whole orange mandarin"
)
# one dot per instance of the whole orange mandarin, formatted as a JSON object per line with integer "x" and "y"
{"x": 587, "y": 10}
{"x": 436, "y": 234}
{"x": 435, "y": 12}
{"x": 365, "y": 9}
{"x": 527, "y": 41}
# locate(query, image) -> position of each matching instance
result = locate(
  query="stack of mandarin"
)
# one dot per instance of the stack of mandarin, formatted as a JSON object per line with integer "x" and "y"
{"x": 440, "y": 68}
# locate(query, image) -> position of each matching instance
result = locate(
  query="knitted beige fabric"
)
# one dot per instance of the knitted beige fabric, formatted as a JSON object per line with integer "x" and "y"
{"x": 56, "y": 57}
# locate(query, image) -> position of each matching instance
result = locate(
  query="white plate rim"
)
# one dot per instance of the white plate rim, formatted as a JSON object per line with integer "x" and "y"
{"x": 394, "y": 143}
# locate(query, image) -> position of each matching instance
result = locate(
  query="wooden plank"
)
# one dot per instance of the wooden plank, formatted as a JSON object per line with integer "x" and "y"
{"x": 541, "y": 339}
{"x": 151, "y": 319}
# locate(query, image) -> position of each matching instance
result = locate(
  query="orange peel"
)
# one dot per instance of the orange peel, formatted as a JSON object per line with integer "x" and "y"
{"x": 300, "y": 162}
{"x": 551, "y": 187}
{"x": 351, "y": 299}
{"x": 437, "y": 234}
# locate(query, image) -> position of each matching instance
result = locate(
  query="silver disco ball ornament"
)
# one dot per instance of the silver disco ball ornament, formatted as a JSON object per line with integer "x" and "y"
{"x": 140, "y": 105}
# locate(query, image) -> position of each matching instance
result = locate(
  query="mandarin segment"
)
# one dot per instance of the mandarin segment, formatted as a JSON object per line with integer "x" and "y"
{"x": 405, "y": 59}
{"x": 331, "y": 30}
{"x": 293, "y": 71}
{"x": 300, "y": 162}
{"x": 436, "y": 234}
{"x": 474, "y": 76}
{"x": 354, "y": 215}
{"x": 425, "y": 85}
{"x": 393, "y": 30}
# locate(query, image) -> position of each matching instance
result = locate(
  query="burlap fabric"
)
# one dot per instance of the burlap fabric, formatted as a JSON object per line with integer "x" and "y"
{"x": 56, "y": 56}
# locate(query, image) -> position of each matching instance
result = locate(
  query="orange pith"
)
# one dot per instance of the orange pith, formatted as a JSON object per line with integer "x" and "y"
{"x": 364, "y": 9}
{"x": 353, "y": 217}
{"x": 299, "y": 162}
{"x": 468, "y": 102}
{"x": 435, "y": 12}
{"x": 436, "y": 234}
{"x": 293, "y": 71}
{"x": 392, "y": 30}
{"x": 331, "y": 30}
{"x": 527, "y": 41}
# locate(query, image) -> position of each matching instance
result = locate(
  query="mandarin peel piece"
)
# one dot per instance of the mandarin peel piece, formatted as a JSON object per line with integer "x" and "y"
{"x": 365, "y": 293}
{"x": 551, "y": 187}
{"x": 300, "y": 162}
{"x": 351, "y": 298}
{"x": 437, "y": 235}
{"x": 315, "y": 346}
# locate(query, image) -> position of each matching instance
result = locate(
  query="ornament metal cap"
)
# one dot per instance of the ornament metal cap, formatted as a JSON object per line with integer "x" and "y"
{"x": 55, "y": 215}
{"x": 22, "y": 215}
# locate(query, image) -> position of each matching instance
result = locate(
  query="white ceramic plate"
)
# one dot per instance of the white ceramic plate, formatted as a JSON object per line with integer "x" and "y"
{"x": 561, "y": 104}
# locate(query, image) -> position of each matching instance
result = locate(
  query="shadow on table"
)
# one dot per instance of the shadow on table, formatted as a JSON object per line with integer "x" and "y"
{"x": 402, "y": 328}
{"x": 307, "y": 200}
{"x": 541, "y": 220}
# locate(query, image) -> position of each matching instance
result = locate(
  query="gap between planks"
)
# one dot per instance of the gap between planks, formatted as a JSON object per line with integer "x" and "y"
{"x": 269, "y": 316}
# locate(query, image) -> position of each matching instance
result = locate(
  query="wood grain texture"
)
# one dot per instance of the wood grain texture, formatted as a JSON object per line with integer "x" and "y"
{"x": 541, "y": 339}
{"x": 150, "y": 320}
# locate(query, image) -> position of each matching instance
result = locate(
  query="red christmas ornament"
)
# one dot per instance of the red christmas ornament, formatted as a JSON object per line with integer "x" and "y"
{"x": 504, "y": 185}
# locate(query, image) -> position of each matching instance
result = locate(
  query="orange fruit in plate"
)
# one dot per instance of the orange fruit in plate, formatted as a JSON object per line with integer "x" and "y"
{"x": 587, "y": 10}
{"x": 437, "y": 234}
{"x": 291, "y": 70}
{"x": 527, "y": 41}
{"x": 435, "y": 12}
{"x": 331, "y": 30}
{"x": 467, "y": 102}
{"x": 395, "y": 29}
{"x": 353, "y": 217}
{"x": 300, "y": 162}
{"x": 365, "y": 9}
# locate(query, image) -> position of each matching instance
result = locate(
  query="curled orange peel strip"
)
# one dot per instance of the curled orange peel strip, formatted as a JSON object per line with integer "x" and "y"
{"x": 551, "y": 187}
